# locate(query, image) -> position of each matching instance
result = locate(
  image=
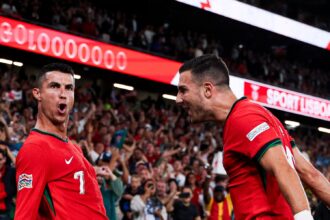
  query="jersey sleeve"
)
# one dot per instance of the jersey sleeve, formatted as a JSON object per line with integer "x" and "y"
{"x": 292, "y": 142}
{"x": 254, "y": 135}
{"x": 31, "y": 178}
{"x": 289, "y": 138}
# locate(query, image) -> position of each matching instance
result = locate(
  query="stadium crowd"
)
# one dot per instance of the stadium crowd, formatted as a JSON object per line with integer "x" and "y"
{"x": 152, "y": 152}
{"x": 270, "y": 65}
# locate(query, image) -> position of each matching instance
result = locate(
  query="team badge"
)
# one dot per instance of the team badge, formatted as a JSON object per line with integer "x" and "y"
{"x": 24, "y": 181}
{"x": 257, "y": 130}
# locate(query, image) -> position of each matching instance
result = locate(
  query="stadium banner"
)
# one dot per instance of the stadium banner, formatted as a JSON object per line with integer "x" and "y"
{"x": 263, "y": 19}
{"x": 278, "y": 98}
{"x": 286, "y": 100}
{"x": 48, "y": 42}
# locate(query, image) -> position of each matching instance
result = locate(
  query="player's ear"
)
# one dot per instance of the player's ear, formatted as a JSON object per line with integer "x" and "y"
{"x": 207, "y": 89}
{"x": 36, "y": 93}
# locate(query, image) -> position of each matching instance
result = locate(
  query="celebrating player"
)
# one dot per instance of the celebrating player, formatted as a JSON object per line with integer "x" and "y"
{"x": 259, "y": 155}
{"x": 54, "y": 180}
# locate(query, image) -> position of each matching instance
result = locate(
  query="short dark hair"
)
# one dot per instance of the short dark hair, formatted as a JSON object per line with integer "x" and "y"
{"x": 220, "y": 177}
{"x": 207, "y": 66}
{"x": 219, "y": 188}
{"x": 61, "y": 67}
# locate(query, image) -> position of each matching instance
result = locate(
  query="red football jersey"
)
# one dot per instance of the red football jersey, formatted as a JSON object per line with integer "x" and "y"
{"x": 249, "y": 131}
{"x": 55, "y": 181}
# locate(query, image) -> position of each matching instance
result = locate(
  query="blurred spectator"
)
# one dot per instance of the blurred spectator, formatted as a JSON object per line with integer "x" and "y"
{"x": 4, "y": 133}
{"x": 5, "y": 113}
{"x": 183, "y": 208}
{"x": 8, "y": 8}
{"x": 131, "y": 190}
{"x": 322, "y": 212}
{"x": 7, "y": 186}
{"x": 146, "y": 205}
{"x": 179, "y": 177}
{"x": 111, "y": 189}
{"x": 165, "y": 196}
{"x": 219, "y": 206}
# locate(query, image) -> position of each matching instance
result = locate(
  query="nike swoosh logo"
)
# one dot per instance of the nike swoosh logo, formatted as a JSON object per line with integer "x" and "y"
{"x": 68, "y": 161}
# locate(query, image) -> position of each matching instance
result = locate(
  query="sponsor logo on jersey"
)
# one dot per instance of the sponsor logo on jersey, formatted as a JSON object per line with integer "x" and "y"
{"x": 68, "y": 161}
{"x": 24, "y": 181}
{"x": 257, "y": 130}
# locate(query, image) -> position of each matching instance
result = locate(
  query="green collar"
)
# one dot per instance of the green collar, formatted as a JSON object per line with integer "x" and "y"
{"x": 51, "y": 134}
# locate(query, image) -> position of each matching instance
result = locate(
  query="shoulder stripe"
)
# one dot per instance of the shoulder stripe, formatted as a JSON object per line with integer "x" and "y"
{"x": 268, "y": 145}
{"x": 293, "y": 144}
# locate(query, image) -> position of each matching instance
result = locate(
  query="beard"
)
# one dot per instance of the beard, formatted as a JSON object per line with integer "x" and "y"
{"x": 199, "y": 115}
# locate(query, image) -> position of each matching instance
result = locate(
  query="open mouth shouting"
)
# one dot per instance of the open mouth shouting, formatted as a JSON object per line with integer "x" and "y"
{"x": 62, "y": 108}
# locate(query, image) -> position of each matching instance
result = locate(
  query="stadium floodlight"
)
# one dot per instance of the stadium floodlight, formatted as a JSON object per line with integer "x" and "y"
{"x": 170, "y": 97}
{"x": 6, "y": 61}
{"x": 291, "y": 124}
{"x": 325, "y": 130}
{"x": 18, "y": 63}
{"x": 122, "y": 86}
{"x": 261, "y": 18}
{"x": 76, "y": 76}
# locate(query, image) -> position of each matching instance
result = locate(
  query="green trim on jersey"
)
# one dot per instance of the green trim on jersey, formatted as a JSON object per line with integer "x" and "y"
{"x": 51, "y": 134}
{"x": 49, "y": 199}
{"x": 268, "y": 145}
{"x": 260, "y": 154}
{"x": 293, "y": 144}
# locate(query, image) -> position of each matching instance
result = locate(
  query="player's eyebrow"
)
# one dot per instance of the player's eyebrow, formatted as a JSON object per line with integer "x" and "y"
{"x": 57, "y": 84}
{"x": 182, "y": 88}
{"x": 69, "y": 86}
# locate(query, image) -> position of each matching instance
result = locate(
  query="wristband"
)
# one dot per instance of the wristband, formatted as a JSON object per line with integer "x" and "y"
{"x": 303, "y": 215}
